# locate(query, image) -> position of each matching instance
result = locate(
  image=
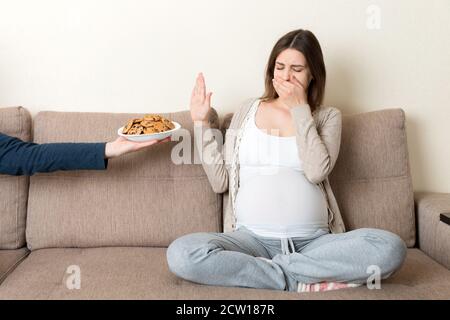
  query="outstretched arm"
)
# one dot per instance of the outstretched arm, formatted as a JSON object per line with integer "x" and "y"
{"x": 26, "y": 158}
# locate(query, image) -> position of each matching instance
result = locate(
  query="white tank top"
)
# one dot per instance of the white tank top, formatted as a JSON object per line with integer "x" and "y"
{"x": 274, "y": 198}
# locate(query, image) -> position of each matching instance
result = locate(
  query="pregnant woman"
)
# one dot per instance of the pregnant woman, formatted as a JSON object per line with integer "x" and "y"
{"x": 283, "y": 228}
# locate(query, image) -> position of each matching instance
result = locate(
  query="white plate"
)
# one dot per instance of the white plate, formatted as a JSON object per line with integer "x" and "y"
{"x": 150, "y": 136}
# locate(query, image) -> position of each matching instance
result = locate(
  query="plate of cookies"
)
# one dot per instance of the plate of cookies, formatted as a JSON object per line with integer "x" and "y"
{"x": 149, "y": 127}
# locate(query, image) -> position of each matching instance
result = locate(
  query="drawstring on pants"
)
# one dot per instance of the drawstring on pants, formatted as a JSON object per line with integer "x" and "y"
{"x": 285, "y": 242}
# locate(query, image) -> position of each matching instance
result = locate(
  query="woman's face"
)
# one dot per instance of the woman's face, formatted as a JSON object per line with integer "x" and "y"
{"x": 291, "y": 63}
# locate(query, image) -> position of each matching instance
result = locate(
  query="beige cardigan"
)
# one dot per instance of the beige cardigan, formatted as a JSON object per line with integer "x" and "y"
{"x": 318, "y": 141}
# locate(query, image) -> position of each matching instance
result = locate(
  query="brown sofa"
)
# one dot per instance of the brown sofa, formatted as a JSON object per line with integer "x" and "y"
{"x": 115, "y": 225}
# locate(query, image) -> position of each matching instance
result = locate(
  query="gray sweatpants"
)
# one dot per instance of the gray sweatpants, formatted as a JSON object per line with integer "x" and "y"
{"x": 229, "y": 259}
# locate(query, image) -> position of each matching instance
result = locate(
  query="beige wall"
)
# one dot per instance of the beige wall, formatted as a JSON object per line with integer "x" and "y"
{"x": 142, "y": 56}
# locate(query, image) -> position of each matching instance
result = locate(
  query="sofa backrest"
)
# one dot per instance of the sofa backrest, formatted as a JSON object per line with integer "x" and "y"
{"x": 15, "y": 121}
{"x": 142, "y": 199}
{"x": 371, "y": 179}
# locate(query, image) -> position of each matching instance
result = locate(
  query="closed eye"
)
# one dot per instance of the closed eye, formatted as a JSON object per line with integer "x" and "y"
{"x": 295, "y": 70}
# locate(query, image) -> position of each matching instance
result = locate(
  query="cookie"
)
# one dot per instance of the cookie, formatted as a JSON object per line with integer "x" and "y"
{"x": 149, "y": 131}
{"x": 149, "y": 124}
{"x": 128, "y": 127}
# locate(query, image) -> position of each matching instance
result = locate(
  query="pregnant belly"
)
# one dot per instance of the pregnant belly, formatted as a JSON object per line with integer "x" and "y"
{"x": 284, "y": 198}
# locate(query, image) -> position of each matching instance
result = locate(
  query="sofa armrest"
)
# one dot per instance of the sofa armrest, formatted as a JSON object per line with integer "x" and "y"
{"x": 433, "y": 234}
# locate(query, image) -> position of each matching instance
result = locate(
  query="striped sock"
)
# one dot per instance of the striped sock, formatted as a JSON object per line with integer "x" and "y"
{"x": 325, "y": 286}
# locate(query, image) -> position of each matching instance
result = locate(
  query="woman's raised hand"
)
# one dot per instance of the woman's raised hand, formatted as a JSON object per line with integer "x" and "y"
{"x": 200, "y": 100}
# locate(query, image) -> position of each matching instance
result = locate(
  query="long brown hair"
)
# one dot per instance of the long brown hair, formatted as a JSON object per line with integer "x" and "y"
{"x": 305, "y": 42}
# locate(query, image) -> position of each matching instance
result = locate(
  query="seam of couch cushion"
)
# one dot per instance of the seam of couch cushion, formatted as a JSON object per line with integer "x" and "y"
{"x": 17, "y": 213}
{"x": 55, "y": 176}
{"x": 373, "y": 179}
{"x": 21, "y": 114}
{"x": 14, "y": 266}
{"x": 219, "y": 218}
{"x": 18, "y": 184}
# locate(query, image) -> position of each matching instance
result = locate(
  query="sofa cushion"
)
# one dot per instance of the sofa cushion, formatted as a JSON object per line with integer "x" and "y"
{"x": 15, "y": 122}
{"x": 142, "y": 199}
{"x": 371, "y": 179}
{"x": 10, "y": 259}
{"x": 142, "y": 273}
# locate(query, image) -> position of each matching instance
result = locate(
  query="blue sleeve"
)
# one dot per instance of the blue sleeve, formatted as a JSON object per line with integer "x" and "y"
{"x": 25, "y": 158}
